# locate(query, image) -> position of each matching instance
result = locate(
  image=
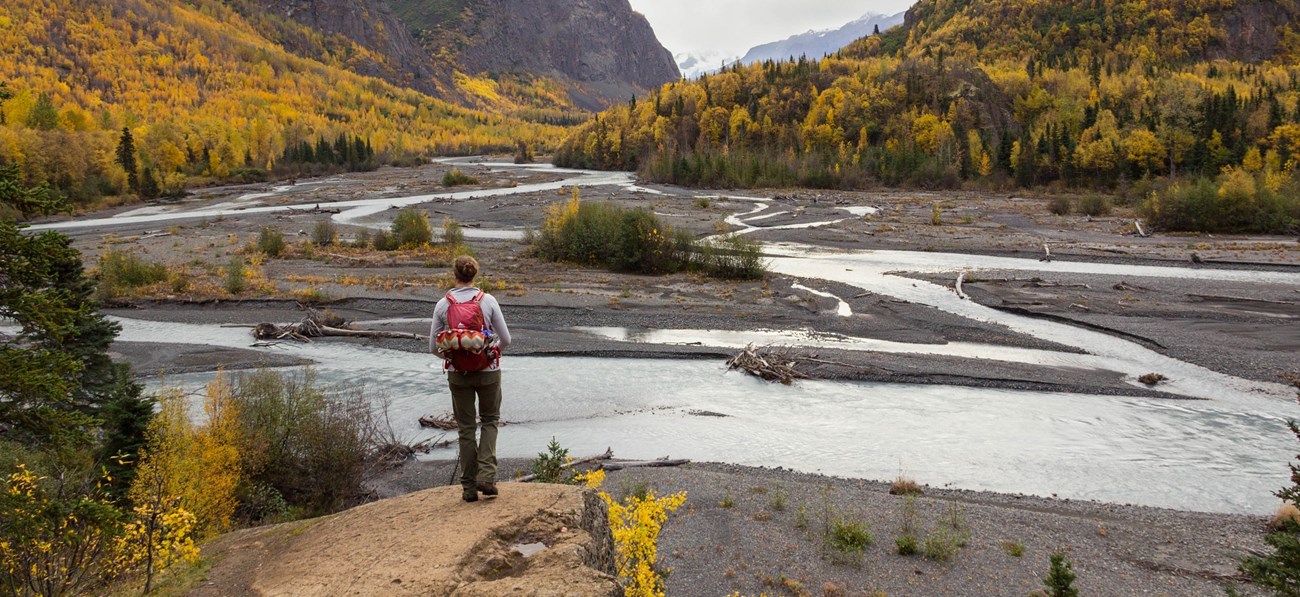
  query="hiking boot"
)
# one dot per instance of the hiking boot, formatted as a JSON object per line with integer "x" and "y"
{"x": 469, "y": 494}
{"x": 488, "y": 488}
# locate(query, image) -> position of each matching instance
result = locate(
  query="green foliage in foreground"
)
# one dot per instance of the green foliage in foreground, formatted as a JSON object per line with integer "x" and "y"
{"x": 1061, "y": 577}
{"x": 548, "y": 467}
{"x": 1280, "y": 571}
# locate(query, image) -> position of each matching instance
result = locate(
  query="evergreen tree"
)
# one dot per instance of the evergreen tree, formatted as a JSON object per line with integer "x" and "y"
{"x": 5, "y": 94}
{"x": 1061, "y": 577}
{"x": 1280, "y": 571}
{"x": 126, "y": 158}
{"x": 148, "y": 184}
{"x": 44, "y": 116}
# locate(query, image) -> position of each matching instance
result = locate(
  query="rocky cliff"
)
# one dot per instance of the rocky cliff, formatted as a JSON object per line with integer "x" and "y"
{"x": 605, "y": 48}
{"x": 601, "y": 51}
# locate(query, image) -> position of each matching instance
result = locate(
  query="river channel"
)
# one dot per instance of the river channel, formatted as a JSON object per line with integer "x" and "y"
{"x": 1225, "y": 451}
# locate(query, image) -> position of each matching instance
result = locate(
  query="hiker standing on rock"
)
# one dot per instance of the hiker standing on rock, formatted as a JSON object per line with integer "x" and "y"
{"x": 469, "y": 333}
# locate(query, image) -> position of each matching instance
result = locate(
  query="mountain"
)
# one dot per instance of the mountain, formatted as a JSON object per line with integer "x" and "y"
{"x": 694, "y": 64}
{"x": 600, "y": 51}
{"x": 815, "y": 44}
{"x": 1190, "y": 105}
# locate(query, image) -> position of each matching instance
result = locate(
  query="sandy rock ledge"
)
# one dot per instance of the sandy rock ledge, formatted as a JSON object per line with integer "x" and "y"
{"x": 429, "y": 543}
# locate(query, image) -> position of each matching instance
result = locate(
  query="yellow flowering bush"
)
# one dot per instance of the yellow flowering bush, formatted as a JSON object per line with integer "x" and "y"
{"x": 635, "y": 524}
{"x": 51, "y": 544}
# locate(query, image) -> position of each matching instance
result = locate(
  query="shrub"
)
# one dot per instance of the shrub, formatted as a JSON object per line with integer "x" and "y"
{"x": 906, "y": 545}
{"x": 732, "y": 257}
{"x": 906, "y": 541}
{"x": 1061, "y": 577}
{"x": 236, "y": 278}
{"x": 548, "y": 467}
{"x": 949, "y": 535}
{"x": 407, "y": 160}
{"x": 383, "y": 241}
{"x": 727, "y": 502}
{"x": 1014, "y": 549}
{"x": 940, "y": 546}
{"x": 324, "y": 233}
{"x": 456, "y": 178}
{"x": 452, "y": 233}
{"x": 1236, "y": 201}
{"x": 121, "y": 271}
{"x": 778, "y": 500}
{"x": 270, "y": 241}
{"x": 1059, "y": 206}
{"x": 702, "y": 202}
{"x": 849, "y": 536}
{"x": 411, "y": 228}
{"x": 1094, "y": 205}
{"x": 904, "y": 486}
{"x": 936, "y": 215}
{"x": 362, "y": 239}
{"x": 63, "y": 544}
{"x": 313, "y": 446}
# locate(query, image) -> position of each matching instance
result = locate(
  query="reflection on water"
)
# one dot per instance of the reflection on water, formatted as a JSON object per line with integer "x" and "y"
{"x": 1106, "y": 448}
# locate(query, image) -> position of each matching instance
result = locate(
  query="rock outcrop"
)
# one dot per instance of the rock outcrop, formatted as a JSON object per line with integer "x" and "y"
{"x": 430, "y": 543}
{"x": 606, "y": 49}
{"x": 602, "y": 50}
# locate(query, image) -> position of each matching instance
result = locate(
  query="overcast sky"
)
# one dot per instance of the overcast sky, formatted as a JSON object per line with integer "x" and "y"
{"x": 734, "y": 26}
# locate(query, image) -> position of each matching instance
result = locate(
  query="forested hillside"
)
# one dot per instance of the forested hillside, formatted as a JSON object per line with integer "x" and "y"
{"x": 202, "y": 94}
{"x": 1194, "y": 101}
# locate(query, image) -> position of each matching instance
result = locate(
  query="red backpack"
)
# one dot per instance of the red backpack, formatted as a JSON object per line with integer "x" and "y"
{"x": 468, "y": 316}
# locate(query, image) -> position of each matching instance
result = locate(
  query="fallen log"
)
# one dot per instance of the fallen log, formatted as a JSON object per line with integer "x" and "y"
{"x": 609, "y": 453}
{"x": 317, "y": 324}
{"x": 957, "y": 286}
{"x": 1047, "y": 253}
{"x": 329, "y": 331}
{"x": 1040, "y": 283}
{"x": 618, "y": 466}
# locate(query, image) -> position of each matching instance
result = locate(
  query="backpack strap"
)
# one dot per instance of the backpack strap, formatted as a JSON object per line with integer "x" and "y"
{"x": 477, "y": 297}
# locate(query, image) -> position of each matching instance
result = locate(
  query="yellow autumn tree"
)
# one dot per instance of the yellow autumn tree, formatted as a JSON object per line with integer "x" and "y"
{"x": 192, "y": 468}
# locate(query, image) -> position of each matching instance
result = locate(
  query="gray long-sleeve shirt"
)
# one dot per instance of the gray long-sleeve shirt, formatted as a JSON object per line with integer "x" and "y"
{"x": 492, "y": 318}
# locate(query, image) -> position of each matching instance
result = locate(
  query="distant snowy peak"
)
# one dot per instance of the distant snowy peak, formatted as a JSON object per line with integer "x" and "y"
{"x": 694, "y": 64}
{"x": 815, "y": 44}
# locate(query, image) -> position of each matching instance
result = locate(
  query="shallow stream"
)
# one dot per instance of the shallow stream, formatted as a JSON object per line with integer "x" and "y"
{"x": 1194, "y": 455}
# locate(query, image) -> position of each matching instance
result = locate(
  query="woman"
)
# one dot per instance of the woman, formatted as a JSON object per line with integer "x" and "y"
{"x": 479, "y": 374}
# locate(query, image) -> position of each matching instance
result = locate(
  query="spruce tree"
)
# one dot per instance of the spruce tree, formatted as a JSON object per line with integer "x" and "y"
{"x": 126, "y": 158}
{"x": 1280, "y": 571}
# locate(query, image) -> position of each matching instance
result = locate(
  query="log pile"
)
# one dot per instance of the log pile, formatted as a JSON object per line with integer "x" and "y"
{"x": 769, "y": 364}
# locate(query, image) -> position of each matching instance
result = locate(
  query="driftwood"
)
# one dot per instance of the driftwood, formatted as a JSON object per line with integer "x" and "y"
{"x": 618, "y": 466}
{"x": 1047, "y": 253}
{"x": 1125, "y": 286}
{"x": 609, "y": 453}
{"x": 317, "y": 324}
{"x": 448, "y": 422}
{"x": 769, "y": 365}
{"x": 1138, "y": 224}
{"x": 957, "y": 286}
{"x": 1041, "y": 283}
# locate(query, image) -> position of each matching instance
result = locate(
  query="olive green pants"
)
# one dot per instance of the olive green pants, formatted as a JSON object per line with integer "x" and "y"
{"x": 478, "y": 460}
